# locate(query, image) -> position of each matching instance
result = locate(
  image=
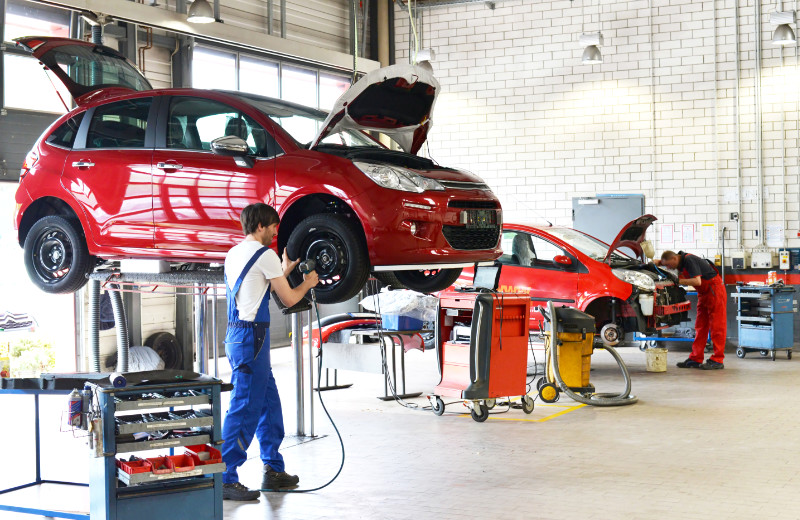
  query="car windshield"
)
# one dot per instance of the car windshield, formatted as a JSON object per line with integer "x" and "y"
{"x": 587, "y": 245}
{"x": 304, "y": 124}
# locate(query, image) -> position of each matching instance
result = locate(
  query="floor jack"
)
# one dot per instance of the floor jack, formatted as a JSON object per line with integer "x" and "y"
{"x": 567, "y": 365}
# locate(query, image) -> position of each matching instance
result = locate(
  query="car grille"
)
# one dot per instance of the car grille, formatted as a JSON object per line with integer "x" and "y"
{"x": 461, "y": 185}
{"x": 461, "y": 237}
{"x": 472, "y": 204}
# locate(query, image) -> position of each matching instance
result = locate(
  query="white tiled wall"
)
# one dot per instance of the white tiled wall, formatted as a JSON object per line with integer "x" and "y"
{"x": 519, "y": 108}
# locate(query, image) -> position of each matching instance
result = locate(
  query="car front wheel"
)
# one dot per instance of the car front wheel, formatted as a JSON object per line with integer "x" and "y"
{"x": 427, "y": 280}
{"x": 56, "y": 255}
{"x": 335, "y": 244}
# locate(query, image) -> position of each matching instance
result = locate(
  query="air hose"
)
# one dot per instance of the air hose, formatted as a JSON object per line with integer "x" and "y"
{"x": 596, "y": 399}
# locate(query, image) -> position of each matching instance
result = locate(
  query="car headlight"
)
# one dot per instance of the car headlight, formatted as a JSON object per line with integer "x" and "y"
{"x": 640, "y": 280}
{"x": 396, "y": 178}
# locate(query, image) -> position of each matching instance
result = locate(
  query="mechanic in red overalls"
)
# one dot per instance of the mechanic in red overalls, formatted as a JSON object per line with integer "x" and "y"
{"x": 711, "y": 306}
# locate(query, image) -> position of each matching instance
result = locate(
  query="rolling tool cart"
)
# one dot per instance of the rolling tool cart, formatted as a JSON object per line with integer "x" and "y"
{"x": 482, "y": 350}
{"x": 166, "y": 410}
{"x": 766, "y": 323}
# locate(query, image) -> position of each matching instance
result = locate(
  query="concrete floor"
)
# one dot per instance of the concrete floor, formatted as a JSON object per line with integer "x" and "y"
{"x": 718, "y": 444}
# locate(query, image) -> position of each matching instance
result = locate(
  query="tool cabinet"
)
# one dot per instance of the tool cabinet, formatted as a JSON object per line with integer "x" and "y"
{"x": 184, "y": 406}
{"x": 765, "y": 319}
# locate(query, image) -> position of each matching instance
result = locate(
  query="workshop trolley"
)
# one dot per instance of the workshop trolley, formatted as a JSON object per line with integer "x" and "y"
{"x": 765, "y": 319}
{"x": 168, "y": 409}
{"x": 490, "y": 360}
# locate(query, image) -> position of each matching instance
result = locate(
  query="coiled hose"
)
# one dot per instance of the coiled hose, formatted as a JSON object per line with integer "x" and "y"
{"x": 597, "y": 399}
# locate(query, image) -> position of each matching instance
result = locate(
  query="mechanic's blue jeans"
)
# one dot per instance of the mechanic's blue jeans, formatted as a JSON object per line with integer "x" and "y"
{"x": 255, "y": 405}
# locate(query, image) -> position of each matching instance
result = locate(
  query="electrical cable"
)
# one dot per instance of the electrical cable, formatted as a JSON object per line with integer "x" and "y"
{"x": 319, "y": 394}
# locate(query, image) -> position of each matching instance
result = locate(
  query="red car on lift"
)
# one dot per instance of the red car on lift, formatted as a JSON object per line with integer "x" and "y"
{"x": 134, "y": 172}
{"x": 623, "y": 293}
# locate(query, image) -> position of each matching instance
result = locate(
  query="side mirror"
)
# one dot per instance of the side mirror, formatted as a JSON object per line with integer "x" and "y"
{"x": 235, "y": 147}
{"x": 229, "y": 145}
{"x": 562, "y": 260}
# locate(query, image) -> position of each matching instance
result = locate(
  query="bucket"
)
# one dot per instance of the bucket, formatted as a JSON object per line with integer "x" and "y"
{"x": 656, "y": 359}
{"x": 646, "y": 303}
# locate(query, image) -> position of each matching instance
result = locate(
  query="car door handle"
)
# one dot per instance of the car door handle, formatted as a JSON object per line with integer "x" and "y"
{"x": 169, "y": 166}
{"x": 82, "y": 164}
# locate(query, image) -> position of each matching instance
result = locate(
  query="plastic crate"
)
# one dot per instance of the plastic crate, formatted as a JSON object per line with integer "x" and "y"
{"x": 134, "y": 466}
{"x": 161, "y": 465}
{"x": 181, "y": 463}
{"x": 204, "y": 454}
{"x": 400, "y": 322}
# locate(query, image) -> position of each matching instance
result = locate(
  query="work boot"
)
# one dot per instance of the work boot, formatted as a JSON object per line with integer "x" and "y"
{"x": 237, "y": 491}
{"x": 689, "y": 363}
{"x": 710, "y": 364}
{"x": 278, "y": 479}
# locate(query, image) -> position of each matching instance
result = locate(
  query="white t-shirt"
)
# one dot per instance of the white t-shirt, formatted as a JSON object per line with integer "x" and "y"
{"x": 256, "y": 281}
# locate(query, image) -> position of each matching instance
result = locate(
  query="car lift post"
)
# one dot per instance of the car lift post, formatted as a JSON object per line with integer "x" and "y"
{"x": 297, "y": 348}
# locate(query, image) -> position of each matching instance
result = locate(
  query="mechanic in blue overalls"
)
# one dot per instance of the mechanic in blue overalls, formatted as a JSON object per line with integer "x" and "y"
{"x": 252, "y": 269}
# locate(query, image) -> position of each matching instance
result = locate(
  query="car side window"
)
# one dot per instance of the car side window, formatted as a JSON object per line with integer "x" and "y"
{"x": 517, "y": 249}
{"x": 545, "y": 251}
{"x": 194, "y": 122}
{"x": 119, "y": 125}
{"x": 64, "y": 135}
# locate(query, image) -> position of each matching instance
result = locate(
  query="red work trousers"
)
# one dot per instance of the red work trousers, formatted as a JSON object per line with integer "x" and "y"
{"x": 711, "y": 315}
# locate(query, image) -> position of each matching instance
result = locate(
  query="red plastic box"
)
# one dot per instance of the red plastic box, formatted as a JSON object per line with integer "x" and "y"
{"x": 134, "y": 466}
{"x": 181, "y": 463}
{"x": 161, "y": 465}
{"x": 204, "y": 454}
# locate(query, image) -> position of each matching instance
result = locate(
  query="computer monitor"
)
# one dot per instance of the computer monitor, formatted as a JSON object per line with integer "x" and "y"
{"x": 486, "y": 277}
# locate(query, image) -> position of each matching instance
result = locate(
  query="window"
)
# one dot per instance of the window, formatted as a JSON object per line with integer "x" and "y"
{"x": 195, "y": 122}
{"x": 119, "y": 125}
{"x": 330, "y": 88}
{"x": 299, "y": 85}
{"x": 93, "y": 67}
{"x": 213, "y": 69}
{"x": 25, "y": 84}
{"x": 527, "y": 250}
{"x": 259, "y": 77}
{"x": 544, "y": 251}
{"x": 64, "y": 135}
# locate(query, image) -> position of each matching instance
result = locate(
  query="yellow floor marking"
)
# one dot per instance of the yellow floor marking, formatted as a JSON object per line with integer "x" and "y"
{"x": 499, "y": 417}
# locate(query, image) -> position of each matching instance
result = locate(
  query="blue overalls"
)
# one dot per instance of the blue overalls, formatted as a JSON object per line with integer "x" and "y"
{"x": 255, "y": 404}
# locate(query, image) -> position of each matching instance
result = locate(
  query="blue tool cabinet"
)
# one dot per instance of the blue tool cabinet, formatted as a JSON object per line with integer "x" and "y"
{"x": 765, "y": 319}
{"x": 196, "y": 494}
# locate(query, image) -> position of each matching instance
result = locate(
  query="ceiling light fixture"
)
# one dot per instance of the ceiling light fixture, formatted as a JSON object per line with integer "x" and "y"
{"x": 592, "y": 43}
{"x": 200, "y": 12}
{"x": 784, "y": 35}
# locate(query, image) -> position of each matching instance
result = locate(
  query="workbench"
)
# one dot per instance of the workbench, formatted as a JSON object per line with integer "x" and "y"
{"x": 765, "y": 319}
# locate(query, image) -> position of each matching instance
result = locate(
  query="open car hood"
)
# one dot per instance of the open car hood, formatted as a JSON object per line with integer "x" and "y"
{"x": 89, "y": 71}
{"x": 631, "y": 236}
{"x": 396, "y": 100}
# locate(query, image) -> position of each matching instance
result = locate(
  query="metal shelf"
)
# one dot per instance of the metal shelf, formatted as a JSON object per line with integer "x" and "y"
{"x": 144, "y": 478}
{"x": 157, "y": 426}
{"x": 168, "y": 402}
{"x": 163, "y": 443}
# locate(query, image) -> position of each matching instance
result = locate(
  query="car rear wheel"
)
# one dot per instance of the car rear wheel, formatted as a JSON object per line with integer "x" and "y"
{"x": 336, "y": 246}
{"x": 56, "y": 255}
{"x": 427, "y": 280}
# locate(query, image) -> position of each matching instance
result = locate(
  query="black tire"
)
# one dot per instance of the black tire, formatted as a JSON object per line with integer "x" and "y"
{"x": 56, "y": 255}
{"x": 387, "y": 278}
{"x": 427, "y": 280}
{"x": 437, "y": 406}
{"x": 480, "y": 413}
{"x": 540, "y": 382}
{"x": 789, "y": 354}
{"x": 335, "y": 244}
{"x": 527, "y": 404}
{"x": 166, "y": 345}
{"x": 740, "y": 353}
